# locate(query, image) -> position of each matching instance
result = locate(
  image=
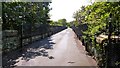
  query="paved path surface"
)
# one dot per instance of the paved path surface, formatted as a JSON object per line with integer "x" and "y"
{"x": 61, "y": 49}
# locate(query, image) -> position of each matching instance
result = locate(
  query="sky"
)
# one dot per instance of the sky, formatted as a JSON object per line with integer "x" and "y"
{"x": 65, "y": 8}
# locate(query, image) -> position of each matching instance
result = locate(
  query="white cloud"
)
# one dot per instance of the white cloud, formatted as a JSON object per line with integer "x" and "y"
{"x": 65, "y": 8}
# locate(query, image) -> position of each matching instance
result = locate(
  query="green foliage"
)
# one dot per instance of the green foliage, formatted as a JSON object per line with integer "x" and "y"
{"x": 97, "y": 17}
{"x": 18, "y": 13}
{"x": 60, "y": 22}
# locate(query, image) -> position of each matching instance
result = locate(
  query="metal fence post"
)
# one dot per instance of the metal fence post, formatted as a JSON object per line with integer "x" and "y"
{"x": 109, "y": 49}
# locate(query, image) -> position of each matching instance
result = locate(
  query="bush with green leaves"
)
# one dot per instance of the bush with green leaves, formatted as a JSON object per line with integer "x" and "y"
{"x": 97, "y": 17}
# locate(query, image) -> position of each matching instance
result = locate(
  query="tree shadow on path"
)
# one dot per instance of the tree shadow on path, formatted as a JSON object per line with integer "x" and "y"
{"x": 28, "y": 52}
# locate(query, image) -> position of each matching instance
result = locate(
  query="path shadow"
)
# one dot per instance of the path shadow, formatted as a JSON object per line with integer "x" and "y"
{"x": 31, "y": 51}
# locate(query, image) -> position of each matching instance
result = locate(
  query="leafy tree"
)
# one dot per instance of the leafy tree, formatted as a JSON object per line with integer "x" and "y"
{"x": 18, "y": 13}
{"x": 62, "y": 22}
{"x": 97, "y": 17}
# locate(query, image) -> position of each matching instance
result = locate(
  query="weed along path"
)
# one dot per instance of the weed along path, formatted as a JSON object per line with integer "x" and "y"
{"x": 61, "y": 49}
